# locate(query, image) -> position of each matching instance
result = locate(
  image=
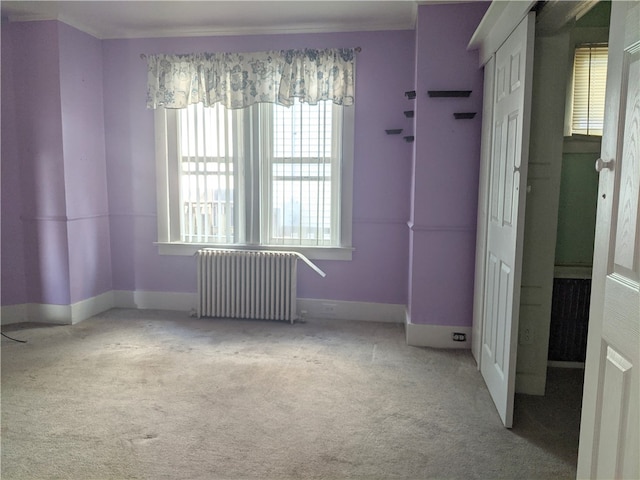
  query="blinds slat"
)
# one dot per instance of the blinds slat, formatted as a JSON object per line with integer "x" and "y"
{"x": 590, "y": 76}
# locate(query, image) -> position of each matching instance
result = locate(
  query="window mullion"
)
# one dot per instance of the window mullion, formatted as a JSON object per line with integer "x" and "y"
{"x": 203, "y": 199}
{"x": 322, "y": 170}
{"x": 300, "y": 156}
{"x": 223, "y": 203}
{"x": 338, "y": 174}
{"x": 239, "y": 159}
{"x": 185, "y": 194}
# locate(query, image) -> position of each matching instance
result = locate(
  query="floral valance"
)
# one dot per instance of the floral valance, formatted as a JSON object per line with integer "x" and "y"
{"x": 238, "y": 80}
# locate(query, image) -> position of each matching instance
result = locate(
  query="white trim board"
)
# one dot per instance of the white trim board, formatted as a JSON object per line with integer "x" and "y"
{"x": 10, "y": 314}
{"x": 146, "y": 300}
{"x": 56, "y": 314}
{"x": 177, "y": 301}
{"x": 307, "y": 307}
{"x": 91, "y": 306}
{"x": 435, "y": 336}
{"x": 344, "y": 310}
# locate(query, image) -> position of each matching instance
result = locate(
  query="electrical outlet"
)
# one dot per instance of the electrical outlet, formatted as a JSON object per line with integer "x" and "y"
{"x": 329, "y": 309}
{"x": 526, "y": 336}
{"x": 459, "y": 337}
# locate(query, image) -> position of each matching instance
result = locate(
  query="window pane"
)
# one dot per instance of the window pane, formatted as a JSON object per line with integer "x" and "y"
{"x": 207, "y": 178}
{"x": 302, "y": 130}
{"x": 301, "y": 207}
{"x": 301, "y": 204}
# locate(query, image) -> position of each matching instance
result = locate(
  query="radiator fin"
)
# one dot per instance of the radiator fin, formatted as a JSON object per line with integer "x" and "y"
{"x": 247, "y": 284}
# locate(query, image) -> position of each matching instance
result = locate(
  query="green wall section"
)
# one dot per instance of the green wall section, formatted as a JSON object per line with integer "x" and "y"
{"x": 577, "y": 209}
{"x": 579, "y": 183}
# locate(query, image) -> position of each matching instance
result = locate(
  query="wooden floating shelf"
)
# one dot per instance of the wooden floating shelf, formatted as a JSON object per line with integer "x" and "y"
{"x": 449, "y": 93}
{"x": 410, "y": 94}
{"x": 394, "y": 131}
{"x": 408, "y": 113}
{"x": 409, "y": 138}
{"x": 464, "y": 115}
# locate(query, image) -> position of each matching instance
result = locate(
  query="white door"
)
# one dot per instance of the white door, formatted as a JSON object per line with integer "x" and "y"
{"x": 505, "y": 222}
{"x": 483, "y": 210}
{"x": 610, "y": 426}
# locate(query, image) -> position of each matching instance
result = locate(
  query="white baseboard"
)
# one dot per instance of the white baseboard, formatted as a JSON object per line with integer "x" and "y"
{"x": 14, "y": 314}
{"x": 435, "y": 336}
{"x": 49, "y": 313}
{"x": 71, "y": 314}
{"x": 146, "y": 300}
{"x": 343, "y": 310}
{"x": 91, "y": 306}
{"x": 36, "y": 312}
{"x": 338, "y": 309}
{"x": 56, "y": 314}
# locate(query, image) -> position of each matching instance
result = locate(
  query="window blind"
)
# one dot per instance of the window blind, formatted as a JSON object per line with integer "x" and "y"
{"x": 207, "y": 177}
{"x": 589, "y": 84}
{"x": 303, "y": 201}
{"x": 267, "y": 175}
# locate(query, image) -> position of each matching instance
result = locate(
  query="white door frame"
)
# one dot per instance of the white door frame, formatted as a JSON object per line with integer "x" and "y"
{"x": 499, "y": 21}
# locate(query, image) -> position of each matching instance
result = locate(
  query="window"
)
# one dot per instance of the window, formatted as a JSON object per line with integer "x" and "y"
{"x": 265, "y": 176}
{"x": 589, "y": 84}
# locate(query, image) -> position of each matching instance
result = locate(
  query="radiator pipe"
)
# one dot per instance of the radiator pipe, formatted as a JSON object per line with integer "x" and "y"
{"x": 313, "y": 266}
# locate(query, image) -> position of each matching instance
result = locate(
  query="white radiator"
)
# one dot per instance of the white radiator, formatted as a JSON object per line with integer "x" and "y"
{"x": 247, "y": 284}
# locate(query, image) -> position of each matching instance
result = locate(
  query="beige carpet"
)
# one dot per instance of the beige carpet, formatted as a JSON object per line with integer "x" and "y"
{"x": 158, "y": 395}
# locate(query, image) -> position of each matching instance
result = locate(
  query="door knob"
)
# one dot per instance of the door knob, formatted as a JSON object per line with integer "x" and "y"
{"x": 603, "y": 164}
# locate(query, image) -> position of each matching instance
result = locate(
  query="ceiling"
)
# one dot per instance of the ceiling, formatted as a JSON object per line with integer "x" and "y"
{"x": 141, "y": 19}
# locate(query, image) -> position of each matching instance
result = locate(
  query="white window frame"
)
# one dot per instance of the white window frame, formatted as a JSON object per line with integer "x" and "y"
{"x": 168, "y": 206}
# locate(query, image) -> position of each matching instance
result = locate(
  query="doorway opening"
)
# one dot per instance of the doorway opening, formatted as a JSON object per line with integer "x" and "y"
{"x": 576, "y": 219}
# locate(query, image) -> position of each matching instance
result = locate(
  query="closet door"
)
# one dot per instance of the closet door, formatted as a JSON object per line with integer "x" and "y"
{"x": 483, "y": 214}
{"x": 505, "y": 215}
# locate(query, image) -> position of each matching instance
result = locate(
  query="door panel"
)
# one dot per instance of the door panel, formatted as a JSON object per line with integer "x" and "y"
{"x": 508, "y": 164}
{"x": 610, "y": 428}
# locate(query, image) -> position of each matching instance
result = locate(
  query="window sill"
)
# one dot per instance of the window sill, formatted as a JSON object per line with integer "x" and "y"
{"x": 312, "y": 253}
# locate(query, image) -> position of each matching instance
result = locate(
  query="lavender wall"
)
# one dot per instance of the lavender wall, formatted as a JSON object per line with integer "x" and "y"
{"x": 13, "y": 280}
{"x": 85, "y": 170}
{"x": 55, "y": 247}
{"x": 37, "y": 149}
{"x": 445, "y": 167}
{"x": 78, "y": 165}
{"x": 381, "y": 170}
